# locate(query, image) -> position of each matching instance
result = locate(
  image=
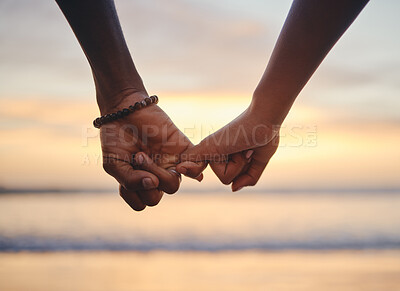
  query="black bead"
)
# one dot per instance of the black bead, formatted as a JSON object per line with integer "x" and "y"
{"x": 98, "y": 122}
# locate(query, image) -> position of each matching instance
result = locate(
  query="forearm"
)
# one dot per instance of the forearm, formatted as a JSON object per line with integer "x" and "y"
{"x": 97, "y": 28}
{"x": 310, "y": 31}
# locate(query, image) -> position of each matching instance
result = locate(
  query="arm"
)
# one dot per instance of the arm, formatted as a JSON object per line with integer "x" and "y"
{"x": 310, "y": 31}
{"x": 147, "y": 138}
{"x": 97, "y": 28}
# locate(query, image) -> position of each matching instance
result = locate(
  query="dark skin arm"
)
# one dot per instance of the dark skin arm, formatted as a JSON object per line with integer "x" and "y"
{"x": 148, "y": 134}
{"x": 97, "y": 28}
{"x": 311, "y": 29}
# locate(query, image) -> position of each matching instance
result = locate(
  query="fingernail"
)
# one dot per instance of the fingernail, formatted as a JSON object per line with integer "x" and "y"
{"x": 183, "y": 170}
{"x": 249, "y": 154}
{"x": 148, "y": 183}
{"x": 238, "y": 189}
{"x": 140, "y": 160}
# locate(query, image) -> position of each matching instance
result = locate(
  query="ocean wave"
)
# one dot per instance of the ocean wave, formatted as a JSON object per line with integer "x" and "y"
{"x": 99, "y": 244}
{"x": 200, "y": 223}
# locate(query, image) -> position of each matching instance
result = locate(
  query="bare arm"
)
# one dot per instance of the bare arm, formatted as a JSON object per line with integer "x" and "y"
{"x": 97, "y": 28}
{"x": 310, "y": 31}
{"x": 127, "y": 141}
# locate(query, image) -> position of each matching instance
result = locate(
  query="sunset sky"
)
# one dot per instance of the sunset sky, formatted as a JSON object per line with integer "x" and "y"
{"x": 203, "y": 59}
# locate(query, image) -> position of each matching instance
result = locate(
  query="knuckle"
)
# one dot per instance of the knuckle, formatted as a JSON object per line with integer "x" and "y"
{"x": 152, "y": 199}
{"x": 108, "y": 168}
{"x": 172, "y": 188}
{"x": 225, "y": 180}
{"x": 152, "y": 202}
{"x": 138, "y": 208}
{"x": 253, "y": 182}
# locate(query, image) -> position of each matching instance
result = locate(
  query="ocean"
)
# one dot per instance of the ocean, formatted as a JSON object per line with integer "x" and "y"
{"x": 200, "y": 222}
{"x": 201, "y": 241}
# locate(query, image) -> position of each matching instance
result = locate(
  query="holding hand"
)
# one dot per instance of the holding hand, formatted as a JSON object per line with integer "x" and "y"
{"x": 240, "y": 151}
{"x": 310, "y": 31}
{"x": 141, "y": 151}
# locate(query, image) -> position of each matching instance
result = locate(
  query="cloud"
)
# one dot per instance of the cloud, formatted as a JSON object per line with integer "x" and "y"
{"x": 202, "y": 48}
{"x": 179, "y": 41}
{"x": 43, "y": 143}
{"x": 177, "y": 45}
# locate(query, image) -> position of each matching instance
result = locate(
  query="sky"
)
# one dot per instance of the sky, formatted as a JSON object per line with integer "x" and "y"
{"x": 203, "y": 59}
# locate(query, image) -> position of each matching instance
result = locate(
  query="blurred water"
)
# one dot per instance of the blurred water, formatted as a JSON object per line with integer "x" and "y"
{"x": 207, "y": 221}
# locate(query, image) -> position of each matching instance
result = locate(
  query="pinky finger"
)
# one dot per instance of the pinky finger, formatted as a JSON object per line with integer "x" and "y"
{"x": 192, "y": 170}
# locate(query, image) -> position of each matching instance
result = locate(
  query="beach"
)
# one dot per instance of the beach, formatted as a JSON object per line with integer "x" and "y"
{"x": 181, "y": 271}
{"x": 323, "y": 216}
{"x": 201, "y": 241}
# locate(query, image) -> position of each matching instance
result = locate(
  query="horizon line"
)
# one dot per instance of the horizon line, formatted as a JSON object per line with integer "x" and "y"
{"x": 277, "y": 190}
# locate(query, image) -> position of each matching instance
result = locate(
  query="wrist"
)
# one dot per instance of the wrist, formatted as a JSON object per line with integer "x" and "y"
{"x": 123, "y": 99}
{"x": 269, "y": 106}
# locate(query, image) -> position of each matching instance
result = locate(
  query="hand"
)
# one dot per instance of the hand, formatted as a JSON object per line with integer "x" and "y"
{"x": 240, "y": 151}
{"x": 148, "y": 133}
{"x": 141, "y": 152}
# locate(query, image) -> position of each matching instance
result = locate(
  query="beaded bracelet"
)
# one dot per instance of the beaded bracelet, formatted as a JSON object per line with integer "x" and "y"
{"x": 98, "y": 122}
